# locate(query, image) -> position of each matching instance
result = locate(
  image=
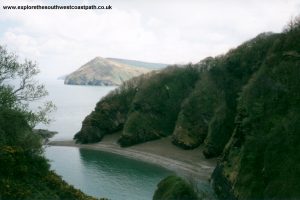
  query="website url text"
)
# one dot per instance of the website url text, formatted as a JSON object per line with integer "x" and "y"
{"x": 58, "y": 7}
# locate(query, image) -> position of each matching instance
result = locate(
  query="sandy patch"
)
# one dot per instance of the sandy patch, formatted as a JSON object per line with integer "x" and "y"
{"x": 188, "y": 163}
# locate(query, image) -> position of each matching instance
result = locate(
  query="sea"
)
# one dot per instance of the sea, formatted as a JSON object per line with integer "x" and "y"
{"x": 96, "y": 173}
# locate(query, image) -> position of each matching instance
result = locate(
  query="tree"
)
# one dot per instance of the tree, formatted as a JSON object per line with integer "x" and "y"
{"x": 24, "y": 172}
{"x": 18, "y": 88}
{"x": 293, "y": 24}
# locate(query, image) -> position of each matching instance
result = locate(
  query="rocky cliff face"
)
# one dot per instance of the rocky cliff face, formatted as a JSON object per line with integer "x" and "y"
{"x": 106, "y": 72}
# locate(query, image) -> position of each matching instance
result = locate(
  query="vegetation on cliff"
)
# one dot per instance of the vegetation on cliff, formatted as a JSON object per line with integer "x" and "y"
{"x": 155, "y": 106}
{"x": 195, "y": 103}
{"x": 243, "y": 106}
{"x": 174, "y": 188}
{"x": 110, "y": 113}
{"x": 24, "y": 172}
{"x": 261, "y": 160}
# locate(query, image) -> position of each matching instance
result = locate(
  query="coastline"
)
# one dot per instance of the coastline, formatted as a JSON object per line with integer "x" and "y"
{"x": 187, "y": 163}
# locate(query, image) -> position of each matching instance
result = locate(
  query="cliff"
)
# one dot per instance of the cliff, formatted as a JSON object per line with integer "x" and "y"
{"x": 242, "y": 106}
{"x": 109, "y": 71}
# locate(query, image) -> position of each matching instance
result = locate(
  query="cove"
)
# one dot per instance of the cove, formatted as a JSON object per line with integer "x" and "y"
{"x": 103, "y": 174}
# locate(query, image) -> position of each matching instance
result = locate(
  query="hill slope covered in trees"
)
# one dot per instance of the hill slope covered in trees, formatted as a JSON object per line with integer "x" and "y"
{"x": 242, "y": 106}
{"x": 24, "y": 171}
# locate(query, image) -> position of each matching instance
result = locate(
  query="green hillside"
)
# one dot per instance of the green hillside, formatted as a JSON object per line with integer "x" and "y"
{"x": 261, "y": 160}
{"x": 243, "y": 106}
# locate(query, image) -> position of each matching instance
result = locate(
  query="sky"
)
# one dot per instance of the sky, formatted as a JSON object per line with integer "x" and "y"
{"x": 164, "y": 31}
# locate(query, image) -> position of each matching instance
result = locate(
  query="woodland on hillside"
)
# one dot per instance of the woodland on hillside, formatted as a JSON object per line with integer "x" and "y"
{"x": 243, "y": 106}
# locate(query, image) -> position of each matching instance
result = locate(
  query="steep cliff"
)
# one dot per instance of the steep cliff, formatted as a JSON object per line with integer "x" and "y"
{"x": 261, "y": 160}
{"x": 243, "y": 106}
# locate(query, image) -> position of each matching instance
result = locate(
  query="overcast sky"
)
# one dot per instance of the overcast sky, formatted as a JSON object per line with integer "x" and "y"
{"x": 166, "y": 31}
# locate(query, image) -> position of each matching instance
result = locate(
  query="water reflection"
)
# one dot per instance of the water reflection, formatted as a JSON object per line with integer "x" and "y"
{"x": 103, "y": 174}
{"x": 130, "y": 178}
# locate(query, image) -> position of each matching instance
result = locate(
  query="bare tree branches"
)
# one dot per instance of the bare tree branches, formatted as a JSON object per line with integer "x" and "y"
{"x": 8, "y": 64}
{"x": 18, "y": 87}
{"x": 19, "y": 77}
{"x": 293, "y": 24}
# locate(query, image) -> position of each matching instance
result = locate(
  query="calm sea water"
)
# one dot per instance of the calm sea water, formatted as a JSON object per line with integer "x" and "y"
{"x": 73, "y": 104}
{"x": 96, "y": 173}
{"x": 102, "y": 174}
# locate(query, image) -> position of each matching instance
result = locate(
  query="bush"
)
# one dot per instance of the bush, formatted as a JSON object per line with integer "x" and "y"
{"x": 174, "y": 188}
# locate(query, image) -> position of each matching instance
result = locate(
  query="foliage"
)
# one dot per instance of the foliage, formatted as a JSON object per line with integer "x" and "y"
{"x": 155, "y": 107}
{"x": 18, "y": 87}
{"x": 15, "y": 131}
{"x": 110, "y": 113}
{"x": 174, "y": 188}
{"x": 244, "y": 106}
{"x": 24, "y": 172}
{"x": 293, "y": 25}
{"x": 261, "y": 159}
{"x": 194, "y": 103}
{"x": 230, "y": 75}
{"x": 145, "y": 107}
{"x": 197, "y": 109}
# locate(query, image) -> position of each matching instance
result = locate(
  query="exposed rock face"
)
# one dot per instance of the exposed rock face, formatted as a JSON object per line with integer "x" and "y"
{"x": 105, "y": 72}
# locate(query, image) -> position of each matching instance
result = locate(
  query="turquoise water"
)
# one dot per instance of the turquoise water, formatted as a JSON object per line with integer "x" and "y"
{"x": 102, "y": 174}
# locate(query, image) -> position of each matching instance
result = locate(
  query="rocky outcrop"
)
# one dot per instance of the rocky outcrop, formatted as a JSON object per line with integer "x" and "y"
{"x": 104, "y": 72}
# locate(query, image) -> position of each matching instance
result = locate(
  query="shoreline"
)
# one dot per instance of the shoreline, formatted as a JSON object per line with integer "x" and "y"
{"x": 187, "y": 163}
